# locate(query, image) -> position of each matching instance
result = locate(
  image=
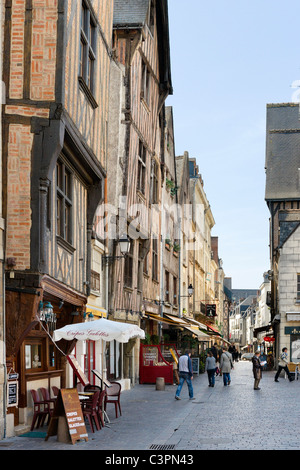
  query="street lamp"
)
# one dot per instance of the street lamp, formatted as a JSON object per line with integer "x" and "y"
{"x": 190, "y": 291}
{"x": 124, "y": 244}
{"x": 46, "y": 314}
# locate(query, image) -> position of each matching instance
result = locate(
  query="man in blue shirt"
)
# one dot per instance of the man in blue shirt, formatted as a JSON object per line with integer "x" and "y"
{"x": 185, "y": 373}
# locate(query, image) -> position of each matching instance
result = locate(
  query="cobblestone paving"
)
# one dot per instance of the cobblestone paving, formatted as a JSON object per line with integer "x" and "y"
{"x": 220, "y": 418}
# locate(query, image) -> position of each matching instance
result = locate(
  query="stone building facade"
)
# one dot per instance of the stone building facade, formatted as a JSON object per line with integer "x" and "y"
{"x": 282, "y": 198}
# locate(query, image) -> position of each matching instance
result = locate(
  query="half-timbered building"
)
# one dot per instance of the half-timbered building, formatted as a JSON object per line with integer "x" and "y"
{"x": 141, "y": 82}
{"x": 56, "y": 74}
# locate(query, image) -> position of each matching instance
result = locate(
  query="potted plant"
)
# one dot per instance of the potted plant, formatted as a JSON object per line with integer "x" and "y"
{"x": 176, "y": 247}
{"x": 170, "y": 184}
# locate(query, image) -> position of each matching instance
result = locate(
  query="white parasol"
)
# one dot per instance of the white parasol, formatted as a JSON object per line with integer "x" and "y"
{"x": 106, "y": 330}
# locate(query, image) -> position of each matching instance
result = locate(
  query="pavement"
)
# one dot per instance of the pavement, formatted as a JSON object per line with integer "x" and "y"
{"x": 235, "y": 417}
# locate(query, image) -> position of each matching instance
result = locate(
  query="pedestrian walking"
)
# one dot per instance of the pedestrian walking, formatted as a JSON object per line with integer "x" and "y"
{"x": 283, "y": 365}
{"x": 210, "y": 368}
{"x": 214, "y": 351}
{"x": 257, "y": 370}
{"x": 225, "y": 366}
{"x": 185, "y": 374}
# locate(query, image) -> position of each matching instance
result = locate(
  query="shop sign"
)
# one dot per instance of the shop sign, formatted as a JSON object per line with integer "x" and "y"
{"x": 292, "y": 330}
{"x": 269, "y": 339}
{"x": 210, "y": 310}
{"x": 12, "y": 393}
{"x": 12, "y": 388}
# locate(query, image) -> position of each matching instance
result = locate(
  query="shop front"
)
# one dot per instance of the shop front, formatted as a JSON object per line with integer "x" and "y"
{"x": 293, "y": 332}
{"x": 32, "y": 316}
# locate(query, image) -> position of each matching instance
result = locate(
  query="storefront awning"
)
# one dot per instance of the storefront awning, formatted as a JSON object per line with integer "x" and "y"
{"x": 179, "y": 321}
{"x": 200, "y": 335}
{"x": 216, "y": 332}
{"x": 96, "y": 311}
{"x": 261, "y": 329}
{"x": 152, "y": 316}
{"x": 195, "y": 322}
{"x": 293, "y": 316}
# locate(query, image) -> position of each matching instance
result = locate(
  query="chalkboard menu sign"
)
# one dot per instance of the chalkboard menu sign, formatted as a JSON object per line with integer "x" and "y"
{"x": 195, "y": 364}
{"x": 68, "y": 405}
{"x": 12, "y": 393}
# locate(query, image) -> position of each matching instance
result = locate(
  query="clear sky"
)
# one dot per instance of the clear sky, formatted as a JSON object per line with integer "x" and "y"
{"x": 230, "y": 58}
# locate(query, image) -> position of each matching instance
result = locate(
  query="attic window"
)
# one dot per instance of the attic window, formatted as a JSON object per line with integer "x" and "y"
{"x": 151, "y": 18}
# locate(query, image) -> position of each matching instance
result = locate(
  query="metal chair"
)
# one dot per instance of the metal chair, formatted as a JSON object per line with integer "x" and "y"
{"x": 90, "y": 411}
{"x": 113, "y": 395}
{"x": 41, "y": 410}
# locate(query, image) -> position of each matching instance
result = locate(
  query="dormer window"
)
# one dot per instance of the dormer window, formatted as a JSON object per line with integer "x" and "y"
{"x": 151, "y": 17}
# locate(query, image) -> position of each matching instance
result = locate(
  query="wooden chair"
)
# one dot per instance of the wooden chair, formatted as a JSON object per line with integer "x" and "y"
{"x": 41, "y": 410}
{"x": 113, "y": 395}
{"x": 90, "y": 411}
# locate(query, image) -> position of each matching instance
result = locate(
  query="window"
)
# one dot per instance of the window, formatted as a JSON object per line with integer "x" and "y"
{"x": 95, "y": 281}
{"x": 295, "y": 348}
{"x": 145, "y": 83}
{"x": 141, "y": 177}
{"x": 128, "y": 267}
{"x": 146, "y": 264}
{"x": 52, "y": 356}
{"x": 63, "y": 202}
{"x": 33, "y": 356}
{"x": 40, "y": 355}
{"x": 154, "y": 182}
{"x": 155, "y": 259}
{"x": 298, "y": 286}
{"x": 87, "y": 57}
{"x": 167, "y": 286}
{"x": 175, "y": 301}
{"x": 114, "y": 360}
{"x": 151, "y": 17}
{"x": 140, "y": 269}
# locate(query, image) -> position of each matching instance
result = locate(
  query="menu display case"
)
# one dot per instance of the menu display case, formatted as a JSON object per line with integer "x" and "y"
{"x": 153, "y": 365}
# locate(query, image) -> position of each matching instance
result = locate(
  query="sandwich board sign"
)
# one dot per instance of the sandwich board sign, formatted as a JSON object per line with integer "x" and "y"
{"x": 68, "y": 406}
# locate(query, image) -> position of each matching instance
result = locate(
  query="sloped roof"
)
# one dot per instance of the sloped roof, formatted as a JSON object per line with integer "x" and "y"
{"x": 130, "y": 13}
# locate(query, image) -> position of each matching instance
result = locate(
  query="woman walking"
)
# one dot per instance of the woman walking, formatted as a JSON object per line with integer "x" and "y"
{"x": 225, "y": 366}
{"x": 210, "y": 368}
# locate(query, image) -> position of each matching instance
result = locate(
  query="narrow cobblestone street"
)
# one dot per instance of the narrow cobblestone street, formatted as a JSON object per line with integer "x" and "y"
{"x": 220, "y": 418}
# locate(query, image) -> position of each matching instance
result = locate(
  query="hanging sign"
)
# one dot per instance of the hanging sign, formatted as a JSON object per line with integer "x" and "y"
{"x": 12, "y": 388}
{"x": 210, "y": 310}
{"x": 12, "y": 393}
